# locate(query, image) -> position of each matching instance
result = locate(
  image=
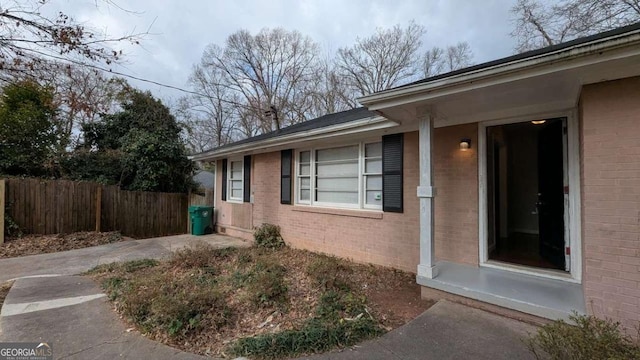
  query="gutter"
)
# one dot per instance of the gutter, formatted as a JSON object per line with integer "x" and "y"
{"x": 356, "y": 126}
{"x": 411, "y": 93}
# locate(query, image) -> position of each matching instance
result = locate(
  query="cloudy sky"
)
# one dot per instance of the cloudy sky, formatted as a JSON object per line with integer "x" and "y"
{"x": 180, "y": 29}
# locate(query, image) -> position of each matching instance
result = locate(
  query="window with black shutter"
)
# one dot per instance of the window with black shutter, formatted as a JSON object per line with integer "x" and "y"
{"x": 286, "y": 159}
{"x": 392, "y": 149}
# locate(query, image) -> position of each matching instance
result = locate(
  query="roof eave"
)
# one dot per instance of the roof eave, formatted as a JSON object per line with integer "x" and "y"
{"x": 410, "y": 93}
{"x": 361, "y": 125}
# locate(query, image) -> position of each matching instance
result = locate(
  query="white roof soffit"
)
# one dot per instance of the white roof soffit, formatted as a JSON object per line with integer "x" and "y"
{"x": 270, "y": 144}
{"x": 592, "y": 52}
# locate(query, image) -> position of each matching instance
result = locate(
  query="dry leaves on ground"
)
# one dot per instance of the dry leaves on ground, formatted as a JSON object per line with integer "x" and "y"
{"x": 392, "y": 297}
{"x": 42, "y": 244}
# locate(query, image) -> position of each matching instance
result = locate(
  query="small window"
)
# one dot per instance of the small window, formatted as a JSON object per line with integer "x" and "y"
{"x": 304, "y": 177}
{"x": 373, "y": 175}
{"x": 235, "y": 179}
{"x": 346, "y": 176}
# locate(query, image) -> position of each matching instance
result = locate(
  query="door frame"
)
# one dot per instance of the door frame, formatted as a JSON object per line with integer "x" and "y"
{"x": 572, "y": 201}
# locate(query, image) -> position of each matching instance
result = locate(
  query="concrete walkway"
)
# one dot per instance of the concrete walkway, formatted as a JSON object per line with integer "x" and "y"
{"x": 446, "y": 331}
{"x": 78, "y": 261}
{"x": 73, "y": 315}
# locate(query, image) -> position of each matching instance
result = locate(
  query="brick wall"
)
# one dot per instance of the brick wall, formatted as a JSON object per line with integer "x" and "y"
{"x": 456, "y": 201}
{"x": 387, "y": 239}
{"x": 610, "y": 138}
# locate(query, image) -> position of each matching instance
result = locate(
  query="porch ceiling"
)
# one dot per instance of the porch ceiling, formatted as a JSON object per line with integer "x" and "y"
{"x": 530, "y": 92}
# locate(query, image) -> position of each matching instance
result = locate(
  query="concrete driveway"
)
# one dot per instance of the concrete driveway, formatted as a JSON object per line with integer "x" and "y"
{"x": 78, "y": 261}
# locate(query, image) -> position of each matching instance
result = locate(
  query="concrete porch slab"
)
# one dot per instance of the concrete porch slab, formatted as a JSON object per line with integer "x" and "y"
{"x": 546, "y": 298}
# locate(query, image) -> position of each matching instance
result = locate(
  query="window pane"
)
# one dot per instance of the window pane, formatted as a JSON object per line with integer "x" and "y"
{"x": 236, "y": 193}
{"x": 236, "y": 166}
{"x": 341, "y": 153}
{"x": 374, "y": 182}
{"x": 340, "y": 184}
{"x": 305, "y": 195}
{"x": 305, "y": 156}
{"x": 342, "y": 169}
{"x": 374, "y": 198}
{"x": 305, "y": 169}
{"x": 305, "y": 183}
{"x": 373, "y": 150}
{"x": 337, "y": 197}
{"x": 236, "y": 184}
{"x": 236, "y": 175}
{"x": 373, "y": 166}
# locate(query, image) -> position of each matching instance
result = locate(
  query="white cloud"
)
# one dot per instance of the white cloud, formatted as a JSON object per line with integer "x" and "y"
{"x": 182, "y": 29}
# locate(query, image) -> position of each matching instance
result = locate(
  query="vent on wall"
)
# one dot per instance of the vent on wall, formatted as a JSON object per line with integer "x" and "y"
{"x": 222, "y": 230}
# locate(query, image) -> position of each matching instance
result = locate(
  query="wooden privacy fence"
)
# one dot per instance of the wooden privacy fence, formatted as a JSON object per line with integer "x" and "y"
{"x": 62, "y": 206}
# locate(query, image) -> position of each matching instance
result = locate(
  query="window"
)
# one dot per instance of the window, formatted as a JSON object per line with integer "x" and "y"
{"x": 347, "y": 176}
{"x": 235, "y": 180}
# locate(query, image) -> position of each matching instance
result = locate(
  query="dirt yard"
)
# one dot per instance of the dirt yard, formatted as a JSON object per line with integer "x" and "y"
{"x": 258, "y": 303}
{"x": 4, "y": 290}
{"x": 42, "y": 244}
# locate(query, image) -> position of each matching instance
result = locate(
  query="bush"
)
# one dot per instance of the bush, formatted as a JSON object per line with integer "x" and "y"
{"x": 590, "y": 338}
{"x": 268, "y": 236}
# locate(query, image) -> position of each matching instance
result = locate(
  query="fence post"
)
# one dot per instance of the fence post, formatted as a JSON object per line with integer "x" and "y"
{"x": 2, "y": 204}
{"x": 98, "y": 208}
{"x": 188, "y": 215}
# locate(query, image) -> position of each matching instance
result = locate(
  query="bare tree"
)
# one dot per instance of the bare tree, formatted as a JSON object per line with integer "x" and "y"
{"x": 29, "y": 40}
{"x": 539, "y": 24}
{"x": 381, "y": 61}
{"x": 269, "y": 72}
{"x": 439, "y": 60}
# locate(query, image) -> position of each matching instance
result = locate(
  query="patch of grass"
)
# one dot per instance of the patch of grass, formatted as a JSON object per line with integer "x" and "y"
{"x": 4, "y": 290}
{"x": 590, "y": 338}
{"x": 326, "y": 331}
{"x": 127, "y": 266}
{"x": 268, "y": 236}
{"x": 201, "y": 256}
{"x": 160, "y": 303}
{"x": 266, "y": 285}
{"x": 314, "y": 337}
{"x": 341, "y": 319}
{"x": 329, "y": 272}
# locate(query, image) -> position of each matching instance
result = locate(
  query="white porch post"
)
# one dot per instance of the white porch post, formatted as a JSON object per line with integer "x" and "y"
{"x": 427, "y": 267}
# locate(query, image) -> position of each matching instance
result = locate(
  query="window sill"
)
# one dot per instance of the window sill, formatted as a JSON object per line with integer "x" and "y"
{"x": 368, "y": 214}
{"x": 234, "y": 201}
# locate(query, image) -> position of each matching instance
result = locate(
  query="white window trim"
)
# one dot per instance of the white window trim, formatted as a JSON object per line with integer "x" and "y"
{"x": 573, "y": 227}
{"x": 361, "y": 205}
{"x": 228, "y": 180}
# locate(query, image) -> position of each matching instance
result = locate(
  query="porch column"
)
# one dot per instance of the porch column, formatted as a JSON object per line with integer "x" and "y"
{"x": 426, "y": 191}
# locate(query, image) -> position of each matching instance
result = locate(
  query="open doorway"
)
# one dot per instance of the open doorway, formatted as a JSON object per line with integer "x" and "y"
{"x": 526, "y": 182}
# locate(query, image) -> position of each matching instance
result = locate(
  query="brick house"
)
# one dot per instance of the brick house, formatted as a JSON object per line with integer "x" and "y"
{"x": 514, "y": 184}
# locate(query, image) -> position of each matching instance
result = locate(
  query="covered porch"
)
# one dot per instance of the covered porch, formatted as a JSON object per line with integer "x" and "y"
{"x": 461, "y": 192}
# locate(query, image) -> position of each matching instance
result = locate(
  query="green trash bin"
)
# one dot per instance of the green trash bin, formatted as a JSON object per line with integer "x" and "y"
{"x": 201, "y": 219}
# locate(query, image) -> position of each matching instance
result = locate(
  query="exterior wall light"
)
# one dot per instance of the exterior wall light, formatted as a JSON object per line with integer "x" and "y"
{"x": 538, "y": 122}
{"x": 465, "y": 144}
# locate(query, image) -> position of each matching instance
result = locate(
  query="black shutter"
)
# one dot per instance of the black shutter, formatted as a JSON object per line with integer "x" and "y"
{"x": 247, "y": 179}
{"x": 392, "y": 148}
{"x": 224, "y": 180}
{"x": 286, "y": 160}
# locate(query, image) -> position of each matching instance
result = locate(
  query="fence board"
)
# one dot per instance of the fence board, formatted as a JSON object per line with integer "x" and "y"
{"x": 62, "y": 206}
